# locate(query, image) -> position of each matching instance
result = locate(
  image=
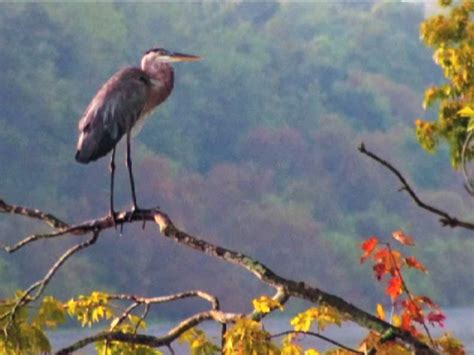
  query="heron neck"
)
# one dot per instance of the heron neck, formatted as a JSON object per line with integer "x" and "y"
{"x": 162, "y": 79}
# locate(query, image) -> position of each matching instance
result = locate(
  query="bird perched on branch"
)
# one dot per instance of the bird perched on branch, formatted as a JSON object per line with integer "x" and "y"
{"x": 123, "y": 101}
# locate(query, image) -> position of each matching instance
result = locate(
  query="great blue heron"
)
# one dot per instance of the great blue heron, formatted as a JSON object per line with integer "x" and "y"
{"x": 125, "y": 99}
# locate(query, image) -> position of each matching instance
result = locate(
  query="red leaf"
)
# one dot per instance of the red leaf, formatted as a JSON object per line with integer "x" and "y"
{"x": 406, "y": 321}
{"x": 408, "y": 325}
{"x": 413, "y": 262}
{"x": 390, "y": 258}
{"x": 394, "y": 288}
{"x": 436, "y": 317}
{"x": 368, "y": 247}
{"x": 413, "y": 308}
{"x": 403, "y": 238}
{"x": 426, "y": 300}
{"x": 380, "y": 270}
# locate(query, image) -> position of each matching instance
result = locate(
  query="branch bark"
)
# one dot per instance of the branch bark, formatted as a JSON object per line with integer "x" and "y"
{"x": 150, "y": 340}
{"x": 285, "y": 288}
{"x": 445, "y": 218}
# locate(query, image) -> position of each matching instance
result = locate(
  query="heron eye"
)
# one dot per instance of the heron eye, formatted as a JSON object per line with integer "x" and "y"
{"x": 143, "y": 79}
{"x": 87, "y": 127}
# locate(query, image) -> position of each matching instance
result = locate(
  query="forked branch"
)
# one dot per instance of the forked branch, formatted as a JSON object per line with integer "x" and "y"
{"x": 284, "y": 288}
{"x": 445, "y": 218}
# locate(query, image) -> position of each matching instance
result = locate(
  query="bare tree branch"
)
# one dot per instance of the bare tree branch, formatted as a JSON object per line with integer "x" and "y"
{"x": 469, "y": 180}
{"x": 446, "y": 219}
{"x": 139, "y": 300}
{"x": 82, "y": 228}
{"x": 40, "y": 285}
{"x": 320, "y": 336}
{"x": 153, "y": 341}
{"x": 285, "y": 287}
{"x": 162, "y": 299}
{"x": 49, "y": 219}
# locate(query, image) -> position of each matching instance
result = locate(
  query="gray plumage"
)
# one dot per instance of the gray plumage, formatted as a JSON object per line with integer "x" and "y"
{"x": 127, "y": 97}
{"x": 114, "y": 110}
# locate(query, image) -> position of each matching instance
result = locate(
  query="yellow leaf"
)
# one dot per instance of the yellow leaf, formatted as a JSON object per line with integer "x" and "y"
{"x": 291, "y": 349}
{"x": 466, "y": 112}
{"x": 311, "y": 352}
{"x": 302, "y": 322}
{"x": 265, "y": 304}
{"x": 380, "y": 311}
{"x": 396, "y": 321}
{"x": 71, "y": 306}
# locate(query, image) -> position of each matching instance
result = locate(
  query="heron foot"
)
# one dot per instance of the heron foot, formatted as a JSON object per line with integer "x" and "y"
{"x": 135, "y": 211}
{"x": 114, "y": 216}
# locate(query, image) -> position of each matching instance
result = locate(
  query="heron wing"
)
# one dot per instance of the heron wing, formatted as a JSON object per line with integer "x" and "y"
{"x": 114, "y": 110}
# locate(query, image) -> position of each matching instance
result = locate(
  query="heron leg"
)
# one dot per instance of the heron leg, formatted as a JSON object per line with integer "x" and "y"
{"x": 129, "y": 166}
{"x": 112, "y": 176}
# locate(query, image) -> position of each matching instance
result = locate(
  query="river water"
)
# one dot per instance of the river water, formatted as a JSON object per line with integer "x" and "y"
{"x": 460, "y": 321}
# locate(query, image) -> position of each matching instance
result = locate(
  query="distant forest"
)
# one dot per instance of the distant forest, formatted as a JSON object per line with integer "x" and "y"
{"x": 255, "y": 149}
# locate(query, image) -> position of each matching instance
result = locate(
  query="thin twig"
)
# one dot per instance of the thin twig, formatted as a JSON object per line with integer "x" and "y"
{"x": 213, "y": 300}
{"x": 320, "y": 336}
{"x": 142, "y": 317}
{"x": 446, "y": 219}
{"x": 49, "y": 219}
{"x": 40, "y": 285}
{"x": 469, "y": 183}
{"x": 85, "y": 227}
{"x": 149, "y": 340}
{"x": 291, "y": 288}
{"x": 408, "y": 292}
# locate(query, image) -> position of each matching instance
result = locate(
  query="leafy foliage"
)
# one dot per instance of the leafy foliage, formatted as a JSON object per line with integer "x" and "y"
{"x": 409, "y": 311}
{"x": 265, "y": 304}
{"x": 323, "y": 316}
{"x": 284, "y": 94}
{"x": 248, "y": 337}
{"x": 26, "y": 333}
{"x": 452, "y": 38}
{"x": 198, "y": 342}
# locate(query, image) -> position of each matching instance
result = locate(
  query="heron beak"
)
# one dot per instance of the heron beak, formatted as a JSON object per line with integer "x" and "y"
{"x": 180, "y": 57}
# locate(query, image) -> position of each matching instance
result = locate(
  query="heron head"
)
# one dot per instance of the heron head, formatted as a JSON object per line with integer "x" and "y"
{"x": 161, "y": 55}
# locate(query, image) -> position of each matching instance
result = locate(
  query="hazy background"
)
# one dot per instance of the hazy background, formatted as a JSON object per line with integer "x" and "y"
{"x": 255, "y": 149}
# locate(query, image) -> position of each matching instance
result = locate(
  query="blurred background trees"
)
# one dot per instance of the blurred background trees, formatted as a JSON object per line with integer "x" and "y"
{"x": 260, "y": 135}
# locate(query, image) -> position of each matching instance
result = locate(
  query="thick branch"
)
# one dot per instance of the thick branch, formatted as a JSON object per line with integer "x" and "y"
{"x": 285, "y": 288}
{"x": 446, "y": 219}
{"x": 292, "y": 288}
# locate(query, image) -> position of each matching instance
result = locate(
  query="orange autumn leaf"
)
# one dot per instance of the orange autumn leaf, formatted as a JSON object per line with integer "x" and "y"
{"x": 394, "y": 288}
{"x": 368, "y": 247}
{"x": 391, "y": 259}
{"x": 403, "y": 238}
{"x": 406, "y": 321}
{"x": 411, "y": 261}
{"x": 414, "y": 308}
